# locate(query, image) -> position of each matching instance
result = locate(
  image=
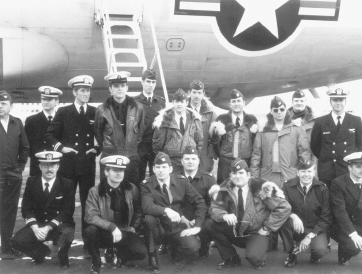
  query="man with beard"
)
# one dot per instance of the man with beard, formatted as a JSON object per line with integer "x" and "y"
{"x": 47, "y": 207}
{"x": 311, "y": 215}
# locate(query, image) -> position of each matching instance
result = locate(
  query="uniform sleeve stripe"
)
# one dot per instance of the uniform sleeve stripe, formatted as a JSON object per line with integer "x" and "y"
{"x": 55, "y": 222}
{"x": 57, "y": 145}
{"x": 30, "y": 220}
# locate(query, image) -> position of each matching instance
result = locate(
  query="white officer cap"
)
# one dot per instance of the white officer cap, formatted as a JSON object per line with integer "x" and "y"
{"x": 355, "y": 157}
{"x": 117, "y": 161}
{"x": 82, "y": 80}
{"x": 337, "y": 92}
{"x": 48, "y": 156}
{"x": 49, "y": 92}
{"x": 118, "y": 77}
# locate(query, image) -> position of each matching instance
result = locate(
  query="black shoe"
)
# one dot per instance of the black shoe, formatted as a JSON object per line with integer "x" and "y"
{"x": 153, "y": 262}
{"x": 314, "y": 260}
{"x": 291, "y": 260}
{"x": 261, "y": 266}
{"x": 109, "y": 255}
{"x": 343, "y": 261}
{"x": 203, "y": 254}
{"x": 163, "y": 249}
{"x": 231, "y": 262}
{"x": 95, "y": 269}
{"x": 37, "y": 261}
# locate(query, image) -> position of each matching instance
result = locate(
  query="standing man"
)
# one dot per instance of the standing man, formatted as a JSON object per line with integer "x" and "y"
{"x": 346, "y": 202}
{"x": 177, "y": 128}
{"x": 14, "y": 152}
{"x": 334, "y": 136}
{"x": 202, "y": 105}
{"x": 311, "y": 215}
{"x": 119, "y": 125}
{"x": 114, "y": 214}
{"x": 233, "y": 135}
{"x": 48, "y": 208}
{"x": 71, "y": 133}
{"x": 205, "y": 184}
{"x": 36, "y": 125}
{"x": 162, "y": 196}
{"x": 151, "y": 104}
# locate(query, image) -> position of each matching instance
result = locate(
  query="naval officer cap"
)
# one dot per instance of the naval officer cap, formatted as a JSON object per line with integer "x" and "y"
{"x": 277, "y": 102}
{"x": 81, "y": 80}
{"x": 117, "y": 161}
{"x": 235, "y": 94}
{"x": 298, "y": 94}
{"x": 304, "y": 163}
{"x": 179, "y": 95}
{"x": 238, "y": 164}
{"x": 190, "y": 150}
{"x": 197, "y": 85}
{"x": 49, "y": 92}
{"x": 162, "y": 158}
{"x": 149, "y": 74}
{"x": 4, "y": 96}
{"x": 337, "y": 92}
{"x": 119, "y": 77}
{"x": 355, "y": 157}
{"x": 48, "y": 156}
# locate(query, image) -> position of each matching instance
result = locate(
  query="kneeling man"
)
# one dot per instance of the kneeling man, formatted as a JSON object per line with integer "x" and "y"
{"x": 311, "y": 215}
{"x": 346, "y": 201}
{"x": 114, "y": 213}
{"x": 240, "y": 218}
{"x": 47, "y": 207}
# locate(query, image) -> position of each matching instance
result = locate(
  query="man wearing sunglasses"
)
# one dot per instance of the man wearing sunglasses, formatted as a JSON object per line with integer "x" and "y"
{"x": 334, "y": 136}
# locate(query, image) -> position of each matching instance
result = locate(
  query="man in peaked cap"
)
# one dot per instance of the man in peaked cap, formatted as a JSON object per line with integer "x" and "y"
{"x": 115, "y": 224}
{"x": 14, "y": 152}
{"x": 162, "y": 196}
{"x": 205, "y": 108}
{"x": 311, "y": 215}
{"x": 151, "y": 104}
{"x": 176, "y": 128}
{"x": 119, "y": 125}
{"x": 232, "y": 135}
{"x": 277, "y": 148}
{"x": 346, "y": 202}
{"x": 334, "y": 136}
{"x": 36, "y": 125}
{"x": 47, "y": 207}
{"x": 234, "y": 204}
{"x": 71, "y": 133}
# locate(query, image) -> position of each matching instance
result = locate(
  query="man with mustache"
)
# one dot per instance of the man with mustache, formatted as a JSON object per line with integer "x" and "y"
{"x": 47, "y": 207}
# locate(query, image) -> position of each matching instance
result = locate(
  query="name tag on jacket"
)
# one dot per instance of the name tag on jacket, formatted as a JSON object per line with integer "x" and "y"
{"x": 352, "y": 130}
{"x": 327, "y": 132}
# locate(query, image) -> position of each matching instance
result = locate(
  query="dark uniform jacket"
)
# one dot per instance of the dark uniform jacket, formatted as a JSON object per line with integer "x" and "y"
{"x": 36, "y": 127}
{"x": 98, "y": 210}
{"x": 151, "y": 111}
{"x": 14, "y": 145}
{"x": 314, "y": 208}
{"x": 70, "y": 129}
{"x": 202, "y": 182}
{"x": 109, "y": 133}
{"x": 57, "y": 209}
{"x": 346, "y": 205}
{"x": 154, "y": 202}
{"x": 331, "y": 147}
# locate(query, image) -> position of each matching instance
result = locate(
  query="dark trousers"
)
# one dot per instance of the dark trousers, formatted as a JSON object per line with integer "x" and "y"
{"x": 318, "y": 245}
{"x": 346, "y": 247}
{"x": 206, "y": 162}
{"x": 155, "y": 234}
{"x": 26, "y": 242}
{"x": 255, "y": 245}
{"x": 130, "y": 247}
{"x": 146, "y": 159}
{"x": 85, "y": 182}
{"x": 10, "y": 185}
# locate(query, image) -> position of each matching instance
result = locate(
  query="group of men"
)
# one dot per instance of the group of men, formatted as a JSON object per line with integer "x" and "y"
{"x": 181, "y": 205}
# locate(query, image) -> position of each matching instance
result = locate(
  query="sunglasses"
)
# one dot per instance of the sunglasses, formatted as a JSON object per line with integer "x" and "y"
{"x": 276, "y": 110}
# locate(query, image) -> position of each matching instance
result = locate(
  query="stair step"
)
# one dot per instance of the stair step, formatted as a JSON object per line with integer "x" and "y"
{"x": 133, "y": 65}
{"x": 125, "y": 50}
{"x": 131, "y": 24}
{"x": 125, "y": 36}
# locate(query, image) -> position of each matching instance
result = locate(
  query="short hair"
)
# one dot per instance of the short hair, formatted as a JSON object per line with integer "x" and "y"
{"x": 76, "y": 88}
{"x": 247, "y": 169}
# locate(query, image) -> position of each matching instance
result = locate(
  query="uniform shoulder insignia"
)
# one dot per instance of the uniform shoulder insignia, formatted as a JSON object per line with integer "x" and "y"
{"x": 162, "y": 98}
{"x": 144, "y": 181}
{"x": 207, "y": 173}
{"x": 324, "y": 184}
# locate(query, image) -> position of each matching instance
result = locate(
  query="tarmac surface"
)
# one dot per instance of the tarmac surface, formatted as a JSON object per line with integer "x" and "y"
{"x": 81, "y": 263}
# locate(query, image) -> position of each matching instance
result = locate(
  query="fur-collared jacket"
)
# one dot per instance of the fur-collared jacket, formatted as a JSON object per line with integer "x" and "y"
{"x": 168, "y": 137}
{"x": 307, "y": 122}
{"x": 98, "y": 210}
{"x": 279, "y": 151}
{"x": 231, "y": 141}
{"x": 258, "y": 213}
{"x": 109, "y": 133}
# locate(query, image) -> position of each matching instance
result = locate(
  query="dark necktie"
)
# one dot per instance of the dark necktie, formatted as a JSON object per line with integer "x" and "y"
{"x": 164, "y": 189}
{"x": 46, "y": 191}
{"x": 149, "y": 100}
{"x": 81, "y": 110}
{"x": 238, "y": 122}
{"x": 50, "y": 118}
{"x": 358, "y": 186}
{"x": 190, "y": 179}
{"x": 182, "y": 127}
{"x": 338, "y": 123}
{"x": 240, "y": 205}
{"x": 196, "y": 110}
{"x": 304, "y": 190}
